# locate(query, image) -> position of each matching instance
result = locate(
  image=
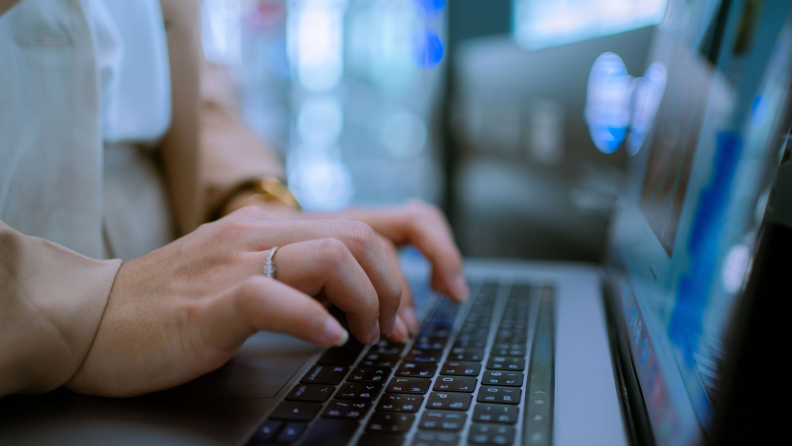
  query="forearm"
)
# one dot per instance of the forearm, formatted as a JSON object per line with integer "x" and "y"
{"x": 51, "y": 302}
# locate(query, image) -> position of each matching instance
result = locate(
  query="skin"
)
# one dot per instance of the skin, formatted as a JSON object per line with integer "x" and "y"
{"x": 183, "y": 310}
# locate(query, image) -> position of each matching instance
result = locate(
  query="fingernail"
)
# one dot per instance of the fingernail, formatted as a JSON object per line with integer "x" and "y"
{"x": 375, "y": 334}
{"x": 400, "y": 332}
{"x": 459, "y": 289}
{"x": 409, "y": 317}
{"x": 334, "y": 333}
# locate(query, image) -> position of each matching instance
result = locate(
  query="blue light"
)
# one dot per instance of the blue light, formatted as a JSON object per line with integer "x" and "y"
{"x": 428, "y": 49}
{"x": 432, "y": 6}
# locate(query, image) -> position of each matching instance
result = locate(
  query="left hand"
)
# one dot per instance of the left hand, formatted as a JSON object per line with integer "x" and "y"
{"x": 416, "y": 223}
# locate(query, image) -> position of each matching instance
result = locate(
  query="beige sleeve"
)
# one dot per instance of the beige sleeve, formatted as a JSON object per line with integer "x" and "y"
{"x": 231, "y": 153}
{"x": 51, "y": 302}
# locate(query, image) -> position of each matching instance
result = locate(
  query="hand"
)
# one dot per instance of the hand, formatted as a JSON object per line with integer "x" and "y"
{"x": 416, "y": 223}
{"x": 183, "y": 310}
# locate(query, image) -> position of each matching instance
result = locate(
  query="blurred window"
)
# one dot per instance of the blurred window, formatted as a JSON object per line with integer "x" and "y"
{"x": 546, "y": 23}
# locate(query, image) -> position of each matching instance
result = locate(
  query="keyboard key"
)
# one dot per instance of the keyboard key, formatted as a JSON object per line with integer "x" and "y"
{"x": 390, "y": 423}
{"x": 449, "y": 401}
{"x": 310, "y": 392}
{"x": 266, "y": 432}
{"x": 325, "y": 374}
{"x": 359, "y": 391}
{"x": 348, "y": 410}
{"x": 435, "y": 331}
{"x": 430, "y": 343}
{"x": 391, "y": 402}
{"x": 378, "y": 360}
{"x": 485, "y": 434}
{"x": 498, "y": 378}
{"x": 435, "y": 439}
{"x": 496, "y": 394}
{"x": 295, "y": 411}
{"x": 418, "y": 355}
{"x": 466, "y": 354}
{"x": 517, "y": 350}
{"x": 416, "y": 370}
{"x": 369, "y": 375}
{"x": 461, "y": 368}
{"x": 385, "y": 347}
{"x": 380, "y": 440}
{"x": 455, "y": 384}
{"x": 496, "y": 413}
{"x": 417, "y": 386}
{"x": 446, "y": 421}
{"x": 346, "y": 355}
{"x": 506, "y": 363}
{"x": 290, "y": 433}
{"x": 473, "y": 343}
{"x": 331, "y": 432}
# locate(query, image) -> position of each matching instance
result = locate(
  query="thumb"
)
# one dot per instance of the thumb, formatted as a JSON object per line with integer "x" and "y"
{"x": 261, "y": 303}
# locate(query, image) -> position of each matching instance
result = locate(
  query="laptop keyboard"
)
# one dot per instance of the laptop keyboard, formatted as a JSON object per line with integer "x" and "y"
{"x": 481, "y": 374}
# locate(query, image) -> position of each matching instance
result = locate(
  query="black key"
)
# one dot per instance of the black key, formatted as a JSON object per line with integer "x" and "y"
{"x": 266, "y": 431}
{"x": 498, "y": 378}
{"x": 378, "y": 360}
{"x": 435, "y": 439}
{"x": 486, "y": 434}
{"x": 468, "y": 338}
{"x": 497, "y": 394}
{"x": 380, "y": 440}
{"x": 435, "y": 331}
{"x": 445, "y": 421}
{"x": 506, "y": 363}
{"x": 290, "y": 433}
{"x": 346, "y": 355}
{"x": 385, "y": 347}
{"x": 416, "y": 370}
{"x": 464, "y": 384}
{"x": 474, "y": 343}
{"x": 417, "y": 386}
{"x": 331, "y": 432}
{"x": 449, "y": 401}
{"x": 430, "y": 343}
{"x": 348, "y": 410}
{"x": 325, "y": 374}
{"x": 390, "y": 423}
{"x": 295, "y": 411}
{"x": 359, "y": 391}
{"x": 466, "y": 354}
{"x": 461, "y": 368}
{"x": 496, "y": 413}
{"x": 391, "y": 402}
{"x": 518, "y": 350}
{"x": 507, "y": 346}
{"x": 418, "y": 355}
{"x": 310, "y": 392}
{"x": 369, "y": 375}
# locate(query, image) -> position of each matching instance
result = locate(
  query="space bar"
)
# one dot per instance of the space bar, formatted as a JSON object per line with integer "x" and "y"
{"x": 330, "y": 433}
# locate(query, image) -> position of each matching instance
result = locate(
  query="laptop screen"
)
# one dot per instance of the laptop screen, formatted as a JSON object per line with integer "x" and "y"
{"x": 684, "y": 235}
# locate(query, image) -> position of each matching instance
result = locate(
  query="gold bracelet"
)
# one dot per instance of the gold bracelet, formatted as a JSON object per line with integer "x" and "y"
{"x": 268, "y": 188}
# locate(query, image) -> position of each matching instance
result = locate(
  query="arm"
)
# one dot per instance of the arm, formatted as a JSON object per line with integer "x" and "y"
{"x": 51, "y": 302}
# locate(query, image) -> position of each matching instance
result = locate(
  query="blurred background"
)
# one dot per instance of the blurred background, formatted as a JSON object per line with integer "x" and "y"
{"x": 477, "y": 106}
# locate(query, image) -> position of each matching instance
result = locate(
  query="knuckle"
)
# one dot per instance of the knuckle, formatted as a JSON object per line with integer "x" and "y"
{"x": 361, "y": 234}
{"x": 331, "y": 251}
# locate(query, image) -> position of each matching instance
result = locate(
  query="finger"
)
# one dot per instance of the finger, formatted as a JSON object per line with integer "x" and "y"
{"x": 406, "y": 307}
{"x": 326, "y": 266}
{"x": 425, "y": 227}
{"x": 261, "y": 303}
{"x": 400, "y": 332}
{"x": 359, "y": 238}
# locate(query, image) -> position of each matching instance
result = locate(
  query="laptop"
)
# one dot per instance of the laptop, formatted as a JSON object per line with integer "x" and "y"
{"x": 672, "y": 342}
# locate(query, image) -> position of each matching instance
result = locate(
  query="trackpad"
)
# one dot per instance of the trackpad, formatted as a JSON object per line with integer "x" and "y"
{"x": 263, "y": 365}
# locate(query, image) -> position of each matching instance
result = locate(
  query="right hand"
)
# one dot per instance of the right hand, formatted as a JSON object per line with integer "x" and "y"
{"x": 183, "y": 310}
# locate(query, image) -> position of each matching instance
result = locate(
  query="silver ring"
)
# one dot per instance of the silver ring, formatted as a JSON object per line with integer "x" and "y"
{"x": 269, "y": 266}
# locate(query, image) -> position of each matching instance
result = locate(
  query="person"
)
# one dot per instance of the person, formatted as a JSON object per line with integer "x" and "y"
{"x": 113, "y": 132}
